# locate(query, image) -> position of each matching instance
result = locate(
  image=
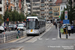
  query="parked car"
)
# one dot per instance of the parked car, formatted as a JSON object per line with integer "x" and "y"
{"x": 73, "y": 28}
{"x": 21, "y": 27}
{"x": 1, "y": 29}
{"x": 5, "y": 28}
{"x": 13, "y": 27}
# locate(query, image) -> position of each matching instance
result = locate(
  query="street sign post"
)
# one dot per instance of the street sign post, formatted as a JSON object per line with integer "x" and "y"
{"x": 66, "y": 22}
{"x": 66, "y": 15}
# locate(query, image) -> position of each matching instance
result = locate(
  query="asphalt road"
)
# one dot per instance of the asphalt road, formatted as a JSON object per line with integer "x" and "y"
{"x": 47, "y": 41}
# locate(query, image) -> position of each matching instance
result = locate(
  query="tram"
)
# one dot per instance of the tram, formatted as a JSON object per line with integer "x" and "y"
{"x": 35, "y": 25}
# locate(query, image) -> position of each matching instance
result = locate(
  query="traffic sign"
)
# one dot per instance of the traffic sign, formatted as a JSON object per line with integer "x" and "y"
{"x": 66, "y": 22}
{"x": 66, "y": 15}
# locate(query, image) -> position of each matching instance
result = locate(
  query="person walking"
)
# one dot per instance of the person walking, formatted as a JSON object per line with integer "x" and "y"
{"x": 69, "y": 29}
{"x": 18, "y": 32}
{"x": 72, "y": 29}
{"x": 56, "y": 25}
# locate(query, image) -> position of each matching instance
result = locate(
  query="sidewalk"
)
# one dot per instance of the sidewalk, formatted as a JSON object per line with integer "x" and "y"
{"x": 63, "y": 36}
{"x": 72, "y": 36}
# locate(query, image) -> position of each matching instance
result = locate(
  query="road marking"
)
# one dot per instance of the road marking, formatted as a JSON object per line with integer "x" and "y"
{"x": 53, "y": 38}
{"x": 32, "y": 40}
{"x": 47, "y": 39}
{"x": 40, "y": 38}
{"x": 23, "y": 40}
{"x": 45, "y": 32}
{"x": 17, "y": 39}
{"x": 58, "y": 33}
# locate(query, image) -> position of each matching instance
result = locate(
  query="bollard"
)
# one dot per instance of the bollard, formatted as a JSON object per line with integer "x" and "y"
{"x": 4, "y": 38}
{"x": 66, "y": 36}
{"x": 59, "y": 34}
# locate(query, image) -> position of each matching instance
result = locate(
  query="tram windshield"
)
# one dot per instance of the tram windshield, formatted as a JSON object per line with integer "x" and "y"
{"x": 32, "y": 24}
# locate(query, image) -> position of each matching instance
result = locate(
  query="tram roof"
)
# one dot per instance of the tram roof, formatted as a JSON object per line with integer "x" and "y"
{"x": 36, "y": 17}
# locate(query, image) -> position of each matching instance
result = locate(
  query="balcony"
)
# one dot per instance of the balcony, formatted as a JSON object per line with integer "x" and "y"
{"x": 36, "y": 10}
{"x": 36, "y": 6}
{"x": 42, "y": 5}
{"x": 50, "y": 4}
{"x": 37, "y": 2}
{"x": 28, "y": 3}
{"x": 50, "y": 12}
{"x": 29, "y": 7}
{"x": 50, "y": 0}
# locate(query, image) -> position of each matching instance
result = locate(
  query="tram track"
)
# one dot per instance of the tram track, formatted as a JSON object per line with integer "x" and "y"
{"x": 28, "y": 38}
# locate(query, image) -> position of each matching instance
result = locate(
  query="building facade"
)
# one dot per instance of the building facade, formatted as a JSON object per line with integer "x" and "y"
{"x": 18, "y": 5}
{"x": 2, "y": 7}
{"x": 9, "y": 5}
{"x": 42, "y": 8}
{"x": 56, "y": 11}
{"x": 28, "y": 3}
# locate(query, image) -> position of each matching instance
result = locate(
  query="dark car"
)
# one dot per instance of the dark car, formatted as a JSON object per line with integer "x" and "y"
{"x": 73, "y": 28}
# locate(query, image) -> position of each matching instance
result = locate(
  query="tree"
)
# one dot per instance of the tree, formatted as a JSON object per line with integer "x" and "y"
{"x": 1, "y": 19}
{"x": 14, "y": 16}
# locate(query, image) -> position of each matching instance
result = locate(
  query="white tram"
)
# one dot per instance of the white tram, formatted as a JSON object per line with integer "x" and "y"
{"x": 35, "y": 25}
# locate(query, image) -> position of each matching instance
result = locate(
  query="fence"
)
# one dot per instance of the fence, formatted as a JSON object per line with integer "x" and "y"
{"x": 10, "y": 36}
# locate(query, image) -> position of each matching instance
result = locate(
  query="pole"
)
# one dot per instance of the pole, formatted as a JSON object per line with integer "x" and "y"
{"x": 66, "y": 32}
{"x": 4, "y": 37}
{"x": 59, "y": 31}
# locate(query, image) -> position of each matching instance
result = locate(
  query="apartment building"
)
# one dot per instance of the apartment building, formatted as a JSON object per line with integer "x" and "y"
{"x": 9, "y": 5}
{"x": 35, "y": 7}
{"x": 28, "y": 3}
{"x": 63, "y": 5}
{"x": 2, "y": 7}
{"x": 18, "y": 5}
{"x": 42, "y": 8}
{"x": 56, "y": 11}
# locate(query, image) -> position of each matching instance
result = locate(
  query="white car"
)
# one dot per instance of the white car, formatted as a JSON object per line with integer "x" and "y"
{"x": 1, "y": 29}
{"x": 21, "y": 27}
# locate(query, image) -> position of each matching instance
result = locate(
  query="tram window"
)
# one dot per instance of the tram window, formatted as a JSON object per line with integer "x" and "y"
{"x": 37, "y": 24}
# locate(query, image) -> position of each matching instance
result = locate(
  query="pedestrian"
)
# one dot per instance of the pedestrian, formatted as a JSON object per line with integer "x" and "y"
{"x": 18, "y": 32}
{"x": 69, "y": 29}
{"x": 72, "y": 29}
{"x": 56, "y": 25}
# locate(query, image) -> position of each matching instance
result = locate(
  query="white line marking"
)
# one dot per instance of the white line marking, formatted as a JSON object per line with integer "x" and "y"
{"x": 47, "y": 39}
{"x": 53, "y": 38}
{"x": 32, "y": 40}
{"x": 58, "y": 33}
{"x": 45, "y": 32}
{"x": 40, "y": 38}
{"x": 23, "y": 40}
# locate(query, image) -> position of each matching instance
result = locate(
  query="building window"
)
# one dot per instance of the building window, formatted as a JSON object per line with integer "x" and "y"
{"x": 50, "y": 4}
{"x": 50, "y": 7}
{"x": 36, "y": 0}
{"x": 61, "y": 7}
{"x": 42, "y": 4}
{"x": 0, "y": 8}
{"x": 56, "y": 13}
{"x": 11, "y": 1}
{"x": 50, "y": 12}
{"x": 42, "y": 12}
{"x": 42, "y": 8}
{"x": 50, "y": 0}
{"x": 11, "y": 7}
{"x": 42, "y": 0}
{"x": 45, "y": 0}
{"x": 0, "y": 1}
